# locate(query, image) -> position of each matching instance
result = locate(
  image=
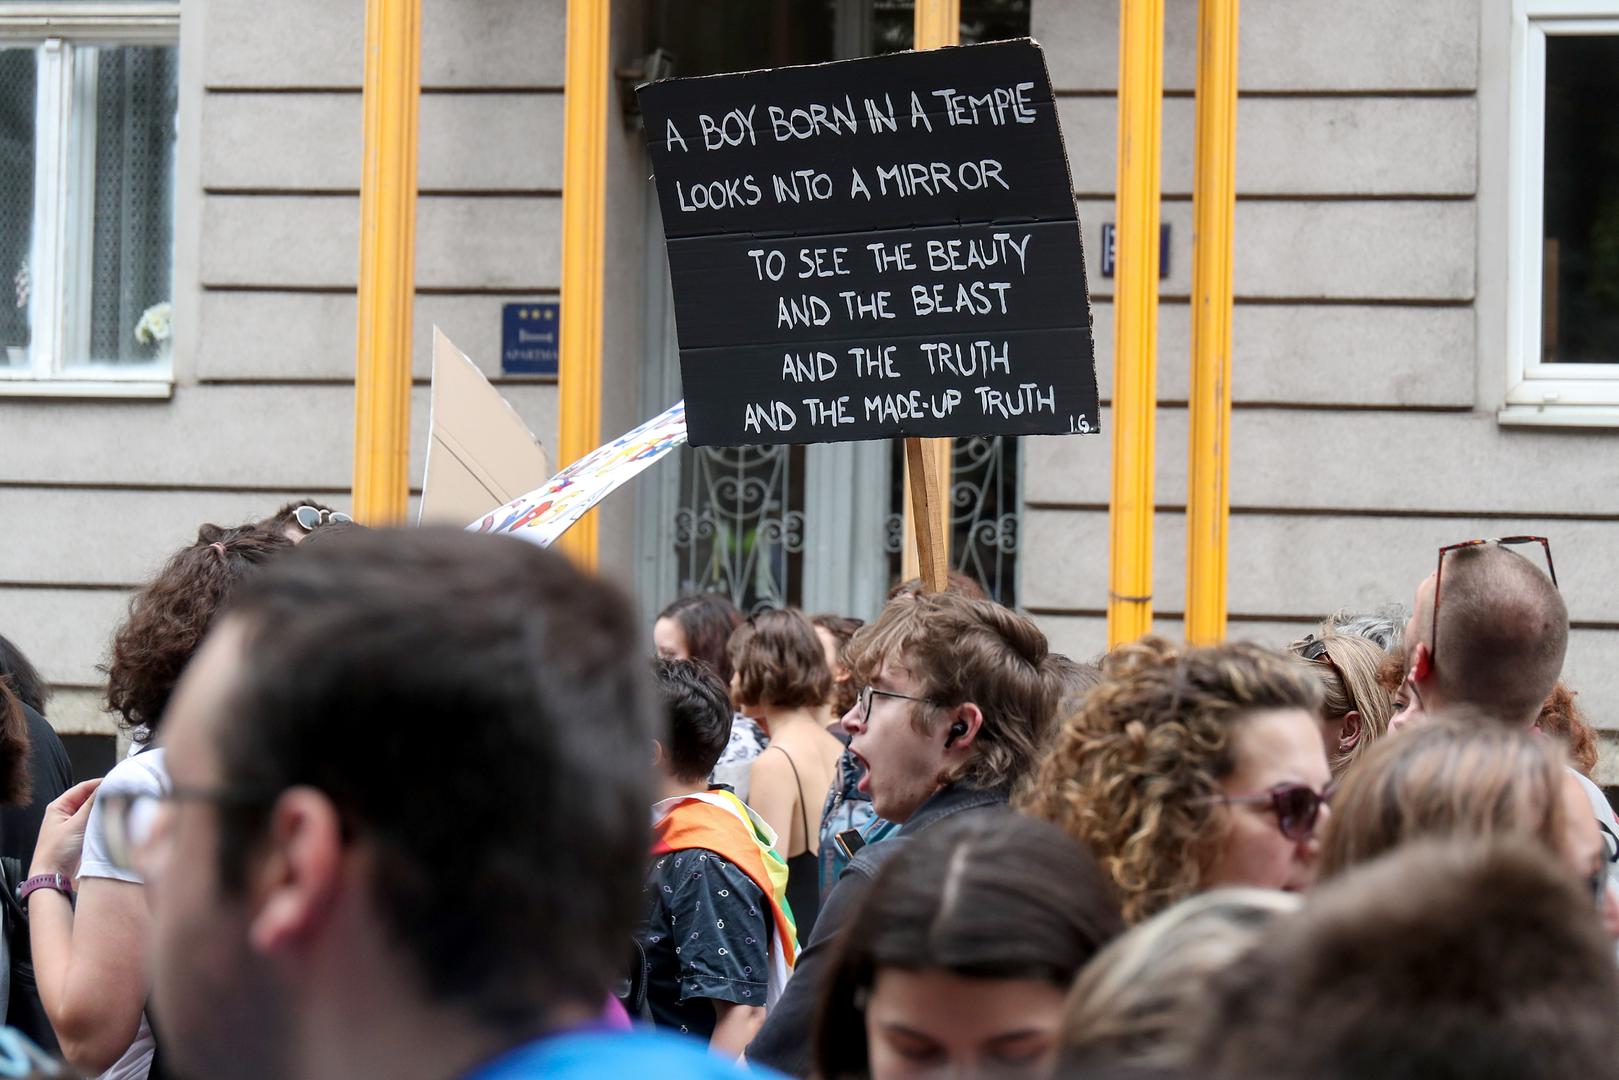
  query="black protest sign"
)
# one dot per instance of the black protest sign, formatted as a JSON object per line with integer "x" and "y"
{"x": 874, "y": 248}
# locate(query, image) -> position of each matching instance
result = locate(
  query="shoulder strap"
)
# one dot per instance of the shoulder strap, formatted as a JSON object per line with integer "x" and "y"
{"x": 803, "y": 809}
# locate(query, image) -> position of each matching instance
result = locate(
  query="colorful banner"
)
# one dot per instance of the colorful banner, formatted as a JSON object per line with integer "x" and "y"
{"x": 547, "y": 512}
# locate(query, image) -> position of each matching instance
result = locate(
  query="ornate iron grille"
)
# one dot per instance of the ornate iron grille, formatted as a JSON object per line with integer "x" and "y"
{"x": 739, "y": 528}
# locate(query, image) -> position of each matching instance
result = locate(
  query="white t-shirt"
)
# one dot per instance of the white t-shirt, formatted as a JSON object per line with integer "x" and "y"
{"x": 1603, "y": 811}
{"x": 142, "y": 773}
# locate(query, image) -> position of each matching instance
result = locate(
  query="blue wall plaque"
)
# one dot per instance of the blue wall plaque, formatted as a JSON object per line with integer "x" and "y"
{"x": 528, "y": 337}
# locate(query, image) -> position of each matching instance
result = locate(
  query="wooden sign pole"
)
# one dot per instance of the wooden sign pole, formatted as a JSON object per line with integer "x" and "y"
{"x": 927, "y": 461}
{"x": 927, "y": 488}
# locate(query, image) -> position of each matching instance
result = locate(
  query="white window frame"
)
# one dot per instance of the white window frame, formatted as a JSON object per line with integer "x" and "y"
{"x": 1540, "y": 393}
{"x": 63, "y": 149}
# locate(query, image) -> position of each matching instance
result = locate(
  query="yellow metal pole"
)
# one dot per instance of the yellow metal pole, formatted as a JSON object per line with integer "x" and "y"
{"x": 1135, "y": 318}
{"x": 393, "y": 49}
{"x": 1214, "y": 195}
{"x": 938, "y": 23}
{"x": 584, "y": 216}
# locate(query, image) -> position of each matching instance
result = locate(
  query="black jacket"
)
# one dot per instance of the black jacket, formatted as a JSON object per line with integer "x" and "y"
{"x": 50, "y": 773}
{"x": 785, "y": 1041}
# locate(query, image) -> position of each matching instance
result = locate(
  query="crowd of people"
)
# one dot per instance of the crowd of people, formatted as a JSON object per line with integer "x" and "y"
{"x": 414, "y": 803}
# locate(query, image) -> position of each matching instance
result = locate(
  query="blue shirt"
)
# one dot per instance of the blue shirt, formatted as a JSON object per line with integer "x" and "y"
{"x": 591, "y": 1054}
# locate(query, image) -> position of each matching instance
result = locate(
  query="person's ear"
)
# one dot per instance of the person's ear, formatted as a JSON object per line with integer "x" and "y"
{"x": 1421, "y": 662}
{"x": 962, "y": 727}
{"x": 1349, "y": 735}
{"x": 660, "y": 758}
{"x": 297, "y": 877}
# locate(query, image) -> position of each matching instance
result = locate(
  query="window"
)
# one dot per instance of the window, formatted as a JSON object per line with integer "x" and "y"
{"x": 1564, "y": 248}
{"x": 87, "y": 148}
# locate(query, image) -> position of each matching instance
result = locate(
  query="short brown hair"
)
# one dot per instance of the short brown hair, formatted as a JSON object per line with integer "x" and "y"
{"x": 1456, "y": 775}
{"x": 1503, "y": 631}
{"x": 961, "y": 650}
{"x": 170, "y": 615}
{"x": 779, "y": 662}
{"x": 1135, "y": 773}
{"x": 1438, "y": 960}
{"x": 842, "y": 628}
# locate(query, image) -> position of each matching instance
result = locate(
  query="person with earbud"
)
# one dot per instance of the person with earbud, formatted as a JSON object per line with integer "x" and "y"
{"x": 958, "y": 695}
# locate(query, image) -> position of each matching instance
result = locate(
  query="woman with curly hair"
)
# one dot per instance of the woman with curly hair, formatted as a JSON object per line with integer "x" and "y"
{"x": 1187, "y": 770}
{"x": 87, "y": 945}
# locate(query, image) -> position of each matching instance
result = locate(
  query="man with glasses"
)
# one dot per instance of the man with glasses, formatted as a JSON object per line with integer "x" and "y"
{"x": 407, "y": 823}
{"x": 958, "y": 697}
{"x": 1489, "y": 629}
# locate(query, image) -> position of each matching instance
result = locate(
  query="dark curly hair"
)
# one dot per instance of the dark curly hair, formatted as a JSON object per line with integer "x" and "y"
{"x": 22, "y": 676}
{"x": 1133, "y": 773}
{"x": 14, "y": 781}
{"x": 170, "y": 615}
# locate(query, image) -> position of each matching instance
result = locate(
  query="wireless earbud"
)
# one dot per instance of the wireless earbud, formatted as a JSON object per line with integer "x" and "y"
{"x": 957, "y": 730}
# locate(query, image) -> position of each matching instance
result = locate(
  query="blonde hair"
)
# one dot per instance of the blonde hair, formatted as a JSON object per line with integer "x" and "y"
{"x": 1140, "y": 1002}
{"x": 1455, "y": 776}
{"x": 1135, "y": 774}
{"x": 1347, "y": 668}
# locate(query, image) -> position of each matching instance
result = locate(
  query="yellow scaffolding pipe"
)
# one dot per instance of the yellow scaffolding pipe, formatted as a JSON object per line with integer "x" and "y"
{"x": 382, "y": 373}
{"x": 1135, "y": 319}
{"x": 584, "y": 199}
{"x": 937, "y": 24}
{"x": 1208, "y": 501}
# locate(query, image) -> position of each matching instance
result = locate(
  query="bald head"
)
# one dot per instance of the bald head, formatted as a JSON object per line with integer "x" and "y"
{"x": 1503, "y": 630}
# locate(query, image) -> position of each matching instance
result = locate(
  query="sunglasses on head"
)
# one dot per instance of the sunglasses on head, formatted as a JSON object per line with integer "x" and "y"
{"x": 309, "y": 518}
{"x": 1504, "y": 541}
{"x": 1296, "y": 806}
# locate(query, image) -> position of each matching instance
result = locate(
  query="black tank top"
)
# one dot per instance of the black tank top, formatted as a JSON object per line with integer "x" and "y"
{"x": 803, "y": 869}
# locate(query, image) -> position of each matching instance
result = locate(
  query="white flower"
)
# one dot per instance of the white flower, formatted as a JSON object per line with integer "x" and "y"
{"x": 155, "y": 324}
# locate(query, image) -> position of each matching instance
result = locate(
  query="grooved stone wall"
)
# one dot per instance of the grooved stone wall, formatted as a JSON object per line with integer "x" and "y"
{"x": 1367, "y": 362}
{"x": 97, "y": 494}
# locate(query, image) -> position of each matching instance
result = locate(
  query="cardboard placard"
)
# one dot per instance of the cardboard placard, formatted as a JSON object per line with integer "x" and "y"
{"x": 874, "y": 248}
{"x": 480, "y": 454}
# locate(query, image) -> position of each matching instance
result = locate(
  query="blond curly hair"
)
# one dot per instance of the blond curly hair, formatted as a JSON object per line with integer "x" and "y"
{"x": 1135, "y": 773}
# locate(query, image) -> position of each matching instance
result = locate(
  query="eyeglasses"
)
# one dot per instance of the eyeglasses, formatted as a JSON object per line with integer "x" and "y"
{"x": 868, "y": 691}
{"x": 309, "y": 518}
{"x": 1296, "y": 806}
{"x": 134, "y": 820}
{"x": 1599, "y": 880}
{"x": 1545, "y": 544}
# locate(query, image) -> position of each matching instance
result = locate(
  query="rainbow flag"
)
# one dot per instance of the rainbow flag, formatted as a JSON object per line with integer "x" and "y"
{"x": 720, "y": 822}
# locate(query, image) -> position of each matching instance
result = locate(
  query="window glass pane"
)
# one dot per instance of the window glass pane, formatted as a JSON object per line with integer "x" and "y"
{"x": 132, "y": 245}
{"x": 1580, "y": 272}
{"x": 894, "y": 22}
{"x": 17, "y": 78}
